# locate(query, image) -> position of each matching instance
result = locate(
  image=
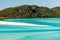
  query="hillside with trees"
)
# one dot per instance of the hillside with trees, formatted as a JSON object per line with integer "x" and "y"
{"x": 30, "y": 11}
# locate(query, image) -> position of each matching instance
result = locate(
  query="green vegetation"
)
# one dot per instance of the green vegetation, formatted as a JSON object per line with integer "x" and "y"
{"x": 30, "y": 11}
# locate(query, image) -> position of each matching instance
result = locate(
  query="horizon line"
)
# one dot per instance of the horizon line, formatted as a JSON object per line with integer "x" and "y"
{"x": 28, "y": 4}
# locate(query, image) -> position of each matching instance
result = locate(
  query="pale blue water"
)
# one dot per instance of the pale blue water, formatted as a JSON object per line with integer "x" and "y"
{"x": 50, "y": 30}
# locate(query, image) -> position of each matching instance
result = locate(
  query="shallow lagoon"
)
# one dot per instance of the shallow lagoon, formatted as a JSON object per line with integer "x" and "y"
{"x": 50, "y": 29}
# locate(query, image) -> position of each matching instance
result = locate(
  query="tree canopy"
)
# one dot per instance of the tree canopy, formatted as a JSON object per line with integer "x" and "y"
{"x": 30, "y": 11}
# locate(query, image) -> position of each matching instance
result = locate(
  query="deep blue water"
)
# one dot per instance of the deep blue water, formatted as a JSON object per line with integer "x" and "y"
{"x": 50, "y": 30}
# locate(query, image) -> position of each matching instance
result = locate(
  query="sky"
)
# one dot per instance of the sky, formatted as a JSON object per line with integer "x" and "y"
{"x": 13, "y": 3}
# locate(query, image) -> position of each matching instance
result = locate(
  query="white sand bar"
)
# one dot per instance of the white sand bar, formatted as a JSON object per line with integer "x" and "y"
{"x": 19, "y": 23}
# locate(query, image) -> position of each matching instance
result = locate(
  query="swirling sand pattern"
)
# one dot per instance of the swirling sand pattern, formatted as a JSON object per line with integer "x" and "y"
{"x": 30, "y": 29}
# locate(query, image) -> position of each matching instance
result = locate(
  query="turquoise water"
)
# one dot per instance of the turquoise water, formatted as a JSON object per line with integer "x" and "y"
{"x": 50, "y": 29}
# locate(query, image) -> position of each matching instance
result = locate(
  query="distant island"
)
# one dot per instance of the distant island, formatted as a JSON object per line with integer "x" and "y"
{"x": 30, "y": 11}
